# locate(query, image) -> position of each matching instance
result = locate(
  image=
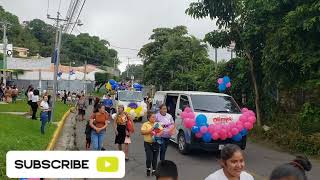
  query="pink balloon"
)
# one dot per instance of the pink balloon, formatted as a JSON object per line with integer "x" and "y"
{"x": 198, "y": 135}
{"x": 183, "y": 115}
{"x": 223, "y": 132}
{"x": 215, "y": 136}
{"x": 224, "y": 137}
{"x": 211, "y": 128}
{"x": 243, "y": 118}
{"x": 220, "y": 80}
{"x": 190, "y": 115}
{"x": 244, "y": 110}
{"x": 228, "y": 84}
{"x": 229, "y": 135}
{"x": 203, "y": 129}
{"x": 252, "y": 119}
{"x": 234, "y": 131}
{"x": 217, "y": 127}
{"x": 189, "y": 123}
{"x": 250, "y": 112}
{"x": 247, "y": 125}
{"x": 187, "y": 109}
{"x": 239, "y": 125}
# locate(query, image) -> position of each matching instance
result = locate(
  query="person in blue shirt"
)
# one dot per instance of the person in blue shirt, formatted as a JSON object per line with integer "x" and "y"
{"x": 108, "y": 103}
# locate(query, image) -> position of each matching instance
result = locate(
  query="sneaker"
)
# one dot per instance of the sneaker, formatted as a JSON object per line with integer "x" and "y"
{"x": 148, "y": 172}
{"x": 153, "y": 172}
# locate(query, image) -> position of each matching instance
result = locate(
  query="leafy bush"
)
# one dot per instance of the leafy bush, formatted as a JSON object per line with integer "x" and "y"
{"x": 285, "y": 132}
{"x": 309, "y": 119}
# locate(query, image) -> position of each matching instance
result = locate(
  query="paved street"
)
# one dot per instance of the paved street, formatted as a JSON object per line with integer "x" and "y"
{"x": 196, "y": 166}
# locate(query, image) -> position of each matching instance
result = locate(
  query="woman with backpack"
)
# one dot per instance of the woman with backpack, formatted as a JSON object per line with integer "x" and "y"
{"x": 123, "y": 128}
{"x": 98, "y": 123}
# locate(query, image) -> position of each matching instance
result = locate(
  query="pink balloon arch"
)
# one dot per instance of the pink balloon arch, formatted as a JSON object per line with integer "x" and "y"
{"x": 234, "y": 130}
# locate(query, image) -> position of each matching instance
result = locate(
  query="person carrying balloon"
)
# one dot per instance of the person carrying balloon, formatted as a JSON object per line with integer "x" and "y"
{"x": 167, "y": 122}
{"x": 151, "y": 147}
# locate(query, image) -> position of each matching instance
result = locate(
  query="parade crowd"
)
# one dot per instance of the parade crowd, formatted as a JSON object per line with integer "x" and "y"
{"x": 156, "y": 132}
{"x": 156, "y": 140}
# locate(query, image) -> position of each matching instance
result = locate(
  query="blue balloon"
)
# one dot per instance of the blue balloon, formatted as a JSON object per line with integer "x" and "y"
{"x": 206, "y": 137}
{"x": 201, "y": 120}
{"x": 226, "y": 79}
{"x": 222, "y": 87}
{"x": 244, "y": 132}
{"x": 195, "y": 129}
{"x": 237, "y": 137}
{"x": 112, "y": 82}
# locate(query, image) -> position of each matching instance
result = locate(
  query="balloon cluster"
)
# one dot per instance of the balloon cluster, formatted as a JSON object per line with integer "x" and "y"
{"x": 136, "y": 111}
{"x": 224, "y": 83}
{"x": 157, "y": 129}
{"x": 112, "y": 85}
{"x": 137, "y": 87}
{"x": 201, "y": 129}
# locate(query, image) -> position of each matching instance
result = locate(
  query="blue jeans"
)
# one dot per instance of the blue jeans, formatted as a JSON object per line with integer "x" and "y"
{"x": 97, "y": 139}
{"x": 163, "y": 148}
{"x": 44, "y": 119}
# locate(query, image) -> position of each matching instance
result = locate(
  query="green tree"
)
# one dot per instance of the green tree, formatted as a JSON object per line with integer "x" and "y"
{"x": 173, "y": 58}
{"x": 134, "y": 69}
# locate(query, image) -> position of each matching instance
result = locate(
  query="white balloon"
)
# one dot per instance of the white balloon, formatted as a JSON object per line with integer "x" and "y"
{"x": 144, "y": 105}
{"x": 145, "y": 110}
{"x": 114, "y": 116}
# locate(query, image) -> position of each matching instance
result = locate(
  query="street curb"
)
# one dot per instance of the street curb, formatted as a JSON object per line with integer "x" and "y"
{"x": 57, "y": 132}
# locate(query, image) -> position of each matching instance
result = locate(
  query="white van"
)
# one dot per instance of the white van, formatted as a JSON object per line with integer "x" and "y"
{"x": 218, "y": 108}
{"x": 125, "y": 97}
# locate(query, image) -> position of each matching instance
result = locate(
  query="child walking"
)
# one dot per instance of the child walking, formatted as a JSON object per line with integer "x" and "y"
{"x": 151, "y": 148}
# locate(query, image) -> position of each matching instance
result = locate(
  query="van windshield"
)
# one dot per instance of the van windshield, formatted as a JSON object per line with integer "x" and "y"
{"x": 214, "y": 104}
{"x": 130, "y": 96}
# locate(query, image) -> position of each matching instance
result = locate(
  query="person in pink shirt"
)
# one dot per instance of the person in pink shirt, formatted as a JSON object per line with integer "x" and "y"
{"x": 167, "y": 122}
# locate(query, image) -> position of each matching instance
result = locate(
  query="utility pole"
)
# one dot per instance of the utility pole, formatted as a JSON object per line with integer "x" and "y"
{"x": 85, "y": 76}
{"x": 5, "y": 42}
{"x": 56, "y": 59}
{"x": 55, "y": 73}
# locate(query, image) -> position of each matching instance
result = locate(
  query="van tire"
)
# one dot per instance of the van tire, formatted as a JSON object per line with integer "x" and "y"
{"x": 182, "y": 144}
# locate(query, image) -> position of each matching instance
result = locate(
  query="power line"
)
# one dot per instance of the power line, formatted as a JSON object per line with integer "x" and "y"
{"x": 78, "y": 15}
{"x": 59, "y": 5}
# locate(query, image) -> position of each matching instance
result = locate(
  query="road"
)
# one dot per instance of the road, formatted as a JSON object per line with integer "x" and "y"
{"x": 260, "y": 160}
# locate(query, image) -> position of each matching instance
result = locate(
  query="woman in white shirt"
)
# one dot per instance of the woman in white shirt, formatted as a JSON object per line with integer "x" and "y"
{"x": 233, "y": 165}
{"x": 44, "y": 106}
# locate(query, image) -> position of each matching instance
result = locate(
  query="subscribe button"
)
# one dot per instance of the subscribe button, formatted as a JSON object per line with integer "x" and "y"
{"x": 65, "y": 164}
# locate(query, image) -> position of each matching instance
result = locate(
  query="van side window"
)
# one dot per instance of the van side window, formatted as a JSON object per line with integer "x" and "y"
{"x": 184, "y": 102}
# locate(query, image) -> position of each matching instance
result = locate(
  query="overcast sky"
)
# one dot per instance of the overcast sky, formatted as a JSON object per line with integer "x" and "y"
{"x": 124, "y": 23}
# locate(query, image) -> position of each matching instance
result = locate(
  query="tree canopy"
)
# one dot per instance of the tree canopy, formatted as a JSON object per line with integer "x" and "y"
{"x": 39, "y": 38}
{"x": 174, "y": 60}
{"x": 277, "y": 38}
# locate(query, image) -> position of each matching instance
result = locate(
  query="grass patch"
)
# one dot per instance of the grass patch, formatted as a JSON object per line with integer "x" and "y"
{"x": 20, "y": 133}
{"x": 20, "y": 106}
